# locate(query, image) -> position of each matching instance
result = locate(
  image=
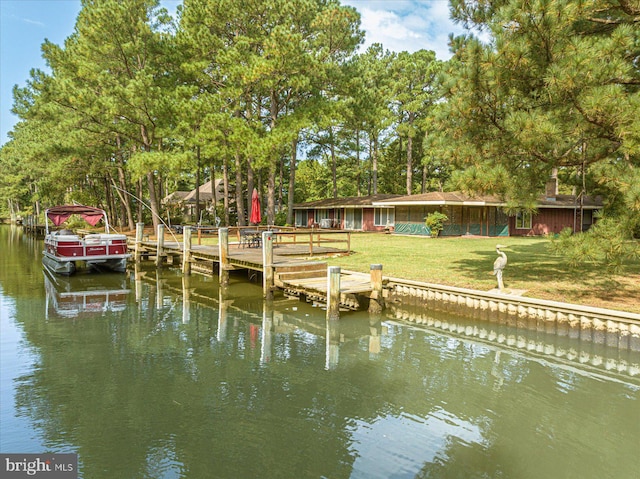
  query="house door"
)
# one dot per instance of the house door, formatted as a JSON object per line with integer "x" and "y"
{"x": 353, "y": 219}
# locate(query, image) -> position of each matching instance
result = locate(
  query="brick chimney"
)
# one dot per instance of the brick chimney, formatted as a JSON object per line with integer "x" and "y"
{"x": 551, "y": 191}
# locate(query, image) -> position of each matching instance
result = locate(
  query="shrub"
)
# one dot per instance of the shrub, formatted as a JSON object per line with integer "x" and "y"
{"x": 435, "y": 222}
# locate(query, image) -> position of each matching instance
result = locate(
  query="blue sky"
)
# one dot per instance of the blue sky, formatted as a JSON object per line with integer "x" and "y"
{"x": 25, "y": 24}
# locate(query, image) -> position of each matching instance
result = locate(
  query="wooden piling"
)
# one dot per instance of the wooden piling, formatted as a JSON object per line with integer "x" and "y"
{"x": 267, "y": 332}
{"x": 332, "y": 354}
{"x": 376, "y": 301}
{"x": 223, "y": 306}
{"x": 160, "y": 246}
{"x": 223, "y": 249}
{"x": 138, "y": 247}
{"x": 137, "y": 277}
{"x": 333, "y": 292}
{"x": 159, "y": 290}
{"x": 267, "y": 262}
{"x": 186, "y": 253}
{"x": 186, "y": 299}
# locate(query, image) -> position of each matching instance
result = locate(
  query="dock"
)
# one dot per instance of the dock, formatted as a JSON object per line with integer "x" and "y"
{"x": 283, "y": 259}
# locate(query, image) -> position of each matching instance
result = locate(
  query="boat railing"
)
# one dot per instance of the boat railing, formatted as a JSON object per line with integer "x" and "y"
{"x": 90, "y": 245}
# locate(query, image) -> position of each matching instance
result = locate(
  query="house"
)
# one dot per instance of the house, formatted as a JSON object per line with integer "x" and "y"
{"x": 175, "y": 198}
{"x": 207, "y": 193}
{"x": 183, "y": 203}
{"x": 485, "y": 215}
{"x": 468, "y": 215}
{"x": 352, "y": 213}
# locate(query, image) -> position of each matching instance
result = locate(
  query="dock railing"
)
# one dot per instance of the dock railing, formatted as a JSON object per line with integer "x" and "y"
{"x": 314, "y": 237}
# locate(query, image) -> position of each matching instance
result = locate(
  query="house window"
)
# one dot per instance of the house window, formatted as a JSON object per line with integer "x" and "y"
{"x": 301, "y": 217}
{"x": 353, "y": 219}
{"x": 384, "y": 216}
{"x": 523, "y": 220}
{"x": 320, "y": 215}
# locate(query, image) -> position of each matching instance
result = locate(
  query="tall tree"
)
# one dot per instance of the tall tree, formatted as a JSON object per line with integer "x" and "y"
{"x": 370, "y": 102}
{"x": 414, "y": 92}
{"x": 556, "y": 87}
{"x": 111, "y": 72}
{"x": 269, "y": 59}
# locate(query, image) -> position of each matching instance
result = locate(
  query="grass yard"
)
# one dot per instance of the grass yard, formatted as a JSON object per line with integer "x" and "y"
{"x": 468, "y": 263}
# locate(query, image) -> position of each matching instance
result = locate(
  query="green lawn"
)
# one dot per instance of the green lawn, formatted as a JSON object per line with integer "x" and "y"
{"x": 468, "y": 263}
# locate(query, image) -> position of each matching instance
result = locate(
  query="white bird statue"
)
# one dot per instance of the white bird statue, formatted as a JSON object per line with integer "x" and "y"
{"x": 499, "y": 264}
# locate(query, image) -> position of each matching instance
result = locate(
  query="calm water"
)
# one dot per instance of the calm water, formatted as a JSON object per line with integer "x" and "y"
{"x": 148, "y": 379}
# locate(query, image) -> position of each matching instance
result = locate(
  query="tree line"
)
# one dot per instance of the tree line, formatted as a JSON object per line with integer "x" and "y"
{"x": 275, "y": 94}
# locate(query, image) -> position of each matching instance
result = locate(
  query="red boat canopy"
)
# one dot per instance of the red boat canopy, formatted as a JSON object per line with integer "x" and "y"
{"x": 60, "y": 214}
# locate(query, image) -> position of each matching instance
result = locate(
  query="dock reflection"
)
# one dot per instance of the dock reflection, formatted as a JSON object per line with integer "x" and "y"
{"x": 266, "y": 317}
{"x": 290, "y": 316}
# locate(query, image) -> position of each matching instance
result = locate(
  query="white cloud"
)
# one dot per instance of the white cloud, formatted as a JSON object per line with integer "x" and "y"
{"x": 408, "y": 25}
{"x": 33, "y": 22}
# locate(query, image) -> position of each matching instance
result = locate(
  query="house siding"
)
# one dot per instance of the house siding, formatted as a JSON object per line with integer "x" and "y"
{"x": 547, "y": 221}
{"x": 473, "y": 216}
{"x": 463, "y": 220}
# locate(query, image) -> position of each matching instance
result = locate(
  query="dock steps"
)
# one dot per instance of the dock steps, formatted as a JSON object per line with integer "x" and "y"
{"x": 299, "y": 271}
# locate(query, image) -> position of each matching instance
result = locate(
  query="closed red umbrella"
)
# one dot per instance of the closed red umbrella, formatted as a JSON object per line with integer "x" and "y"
{"x": 255, "y": 217}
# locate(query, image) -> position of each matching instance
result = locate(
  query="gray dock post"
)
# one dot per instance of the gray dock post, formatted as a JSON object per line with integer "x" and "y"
{"x": 223, "y": 306}
{"x": 223, "y": 250}
{"x": 333, "y": 292}
{"x": 186, "y": 256}
{"x": 139, "y": 234}
{"x": 160, "y": 246}
{"x": 159, "y": 290}
{"x": 332, "y": 345}
{"x": 267, "y": 327}
{"x": 137, "y": 276}
{"x": 375, "y": 337}
{"x": 267, "y": 261}
{"x": 376, "y": 301}
{"x": 186, "y": 299}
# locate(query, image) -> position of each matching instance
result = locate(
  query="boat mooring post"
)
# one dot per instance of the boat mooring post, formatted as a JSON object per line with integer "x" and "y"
{"x": 267, "y": 332}
{"x": 186, "y": 256}
{"x": 223, "y": 250}
{"x": 159, "y": 290}
{"x": 138, "y": 247}
{"x": 333, "y": 292}
{"x": 376, "y": 301}
{"x": 186, "y": 299}
{"x": 137, "y": 277}
{"x": 160, "y": 246}
{"x": 267, "y": 262}
{"x": 332, "y": 348}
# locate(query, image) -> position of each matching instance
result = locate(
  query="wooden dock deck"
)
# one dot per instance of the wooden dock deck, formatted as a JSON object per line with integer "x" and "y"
{"x": 294, "y": 271}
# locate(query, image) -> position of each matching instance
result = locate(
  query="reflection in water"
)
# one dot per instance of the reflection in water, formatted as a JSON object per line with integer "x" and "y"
{"x": 84, "y": 294}
{"x": 192, "y": 380}
{"x": 594, "y": 357}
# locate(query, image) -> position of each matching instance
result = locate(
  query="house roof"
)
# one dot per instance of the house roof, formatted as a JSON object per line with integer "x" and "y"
{"x": 174, "y": 198}
{"x": 206, "y": 192}
{"x": 443, "y": 198}
{"x": 570, "y": 201}
{"x": 458, "y": 198}
{"x": 348, "y": 202}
